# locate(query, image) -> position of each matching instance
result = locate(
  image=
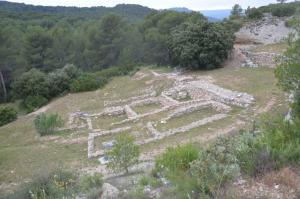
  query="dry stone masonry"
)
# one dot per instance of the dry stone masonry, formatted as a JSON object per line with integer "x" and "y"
{"x": 187, "y": 95}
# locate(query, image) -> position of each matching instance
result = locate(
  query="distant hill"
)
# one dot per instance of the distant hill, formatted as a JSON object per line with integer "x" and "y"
{"x": 131, "y": 11}
{"x": 218, "y": 14}
{"x": 186, "y": 10}
{"x": 181, "y": 9}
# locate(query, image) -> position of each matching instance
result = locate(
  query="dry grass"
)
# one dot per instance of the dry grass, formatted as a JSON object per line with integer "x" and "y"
{"x": 22, "y": 151}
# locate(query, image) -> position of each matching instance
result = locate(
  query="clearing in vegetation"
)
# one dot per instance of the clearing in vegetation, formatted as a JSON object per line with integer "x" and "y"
{"x": 157, "y": 107}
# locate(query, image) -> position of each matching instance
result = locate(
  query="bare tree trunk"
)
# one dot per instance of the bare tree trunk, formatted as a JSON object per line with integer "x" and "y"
{"x": 3, "y": 86}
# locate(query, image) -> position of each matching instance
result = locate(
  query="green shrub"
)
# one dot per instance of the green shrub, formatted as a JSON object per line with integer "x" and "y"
{"x": 123, "y": 154}
{"x": 296, "y": 104}
{"x": 149, "y": 180}
{"x": 282, "y": 139}
{"x": 215, "y": 166}
{"x": 91, "y": 182}
{"x": 86, "y": 82}
{"x": 7, "y": 115}
{"x": 255, "y": 13}
{"x": 46, "y": 124}
{"x": 48, "y": 185}
{"x": 253, "y": 158}
{"x": 33, "y": 102}
{"x": 211, "y": 45}
{"x": 283, "y": 10}
{"x": 177, "y": 159}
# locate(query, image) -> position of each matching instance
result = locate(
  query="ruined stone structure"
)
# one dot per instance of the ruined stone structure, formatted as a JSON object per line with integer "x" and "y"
{"x": 187, "y": 95}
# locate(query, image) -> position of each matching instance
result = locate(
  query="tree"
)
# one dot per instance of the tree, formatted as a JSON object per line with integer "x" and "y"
{"x": 236, "y": 12}
{"x": 31, "y": 83}
{"x": 104, "y": 42}
{"x": 123, "y": 154}
{"x": 37, "y": 48}
{"x": 156, "y": 31}
{"x": 8, "y": 58}
{"x": 200, "y": 46}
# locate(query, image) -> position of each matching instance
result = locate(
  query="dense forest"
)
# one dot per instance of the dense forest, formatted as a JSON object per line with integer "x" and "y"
{"x": 80, "y": 49}
{"x": 65, "y": 46}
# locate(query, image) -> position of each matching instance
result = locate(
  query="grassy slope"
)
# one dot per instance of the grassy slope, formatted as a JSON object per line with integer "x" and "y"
{"x": 22, "y": 152}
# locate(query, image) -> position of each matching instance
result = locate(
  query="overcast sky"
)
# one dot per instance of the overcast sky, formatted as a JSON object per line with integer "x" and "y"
{"x": 157, "y": 4}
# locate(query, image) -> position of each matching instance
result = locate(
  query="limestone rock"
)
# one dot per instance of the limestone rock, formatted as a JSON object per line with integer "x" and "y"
{"x": 109, "y": 192}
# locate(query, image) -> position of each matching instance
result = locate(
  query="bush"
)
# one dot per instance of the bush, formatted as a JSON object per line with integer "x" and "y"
{"x": 87, "y": 82}
{"x": 215, "y": 166}
{"x": 253, "y": 159}
{"x": 123, "y": 154}
{"x": 255, "y": 13}
{"x": 7, "y": 115}
{"x": 31, "y": 103}
{"x": 177, "y": 159}
{"x": 31, "y": 83}
{"x": 61, "y": 79}
{"x": 48, "y": 185}
{"x": 88, "y": 183}
{"x": 282, "y": 140}
{"x": 200, "y": 46}
{"x": 46, "y": 124}
{"x": 284, "y": 10}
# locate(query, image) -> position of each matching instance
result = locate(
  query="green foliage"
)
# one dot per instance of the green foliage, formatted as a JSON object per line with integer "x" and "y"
{"x": 215, "y": 167}
{"x": 91, "y": 182}
{"x": 31, "y": 83}
{"x": 253, "y": 158}
{"x": 177, "y": 159}
{"x": 199, "y": 173}
{"x": 7, "y": 115}
{"x": 254, "y": 13}
{"x": 48, "y": 185}
{"x": 123, "y": 154}
{"x": 282, "y": 140}
{"x": 86, "y": 82}
{"x": 236, "y": 12}
{"x": 31, "y": 103}
{"x": 46, "y": 124}
{"x": 296, "y": 104}
{"x": 149, "y": 180}
{"x": 200, "y": 46}
{"x": 283, "y": 10}
{"x": 288, "y": 73}
{"x": 60, "y": 80}
{"x": 38, "y": 43}
{"x": 156, "y": 30}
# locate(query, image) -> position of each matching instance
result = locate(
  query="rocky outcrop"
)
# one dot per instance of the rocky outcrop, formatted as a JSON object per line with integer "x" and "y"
{"x": 109, "y": 192}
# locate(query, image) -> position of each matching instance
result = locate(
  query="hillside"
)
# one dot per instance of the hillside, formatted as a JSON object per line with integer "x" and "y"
{"x": 197, "y": 129}
{"x": 131, "y": 11}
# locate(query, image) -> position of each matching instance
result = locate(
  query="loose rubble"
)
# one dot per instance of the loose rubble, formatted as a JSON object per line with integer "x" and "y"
{"x": 187, "y": 95}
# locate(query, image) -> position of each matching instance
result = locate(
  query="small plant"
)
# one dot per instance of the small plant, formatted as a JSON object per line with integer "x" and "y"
{"x": 46, "y": 124}
{"x": 7, "y": 115}
{"x": 149, "y": 180}
{"x": 48, "y": 185}
{"x": 90, "y": 182}
{"x": 179, "y": 158}
{"x": 123, "y": 154}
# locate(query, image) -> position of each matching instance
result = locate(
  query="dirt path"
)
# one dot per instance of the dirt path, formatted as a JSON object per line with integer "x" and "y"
{"x": 268, "y": 106}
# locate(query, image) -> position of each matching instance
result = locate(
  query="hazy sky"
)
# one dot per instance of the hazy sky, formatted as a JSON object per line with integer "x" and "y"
{"x": 158, "y": 4}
